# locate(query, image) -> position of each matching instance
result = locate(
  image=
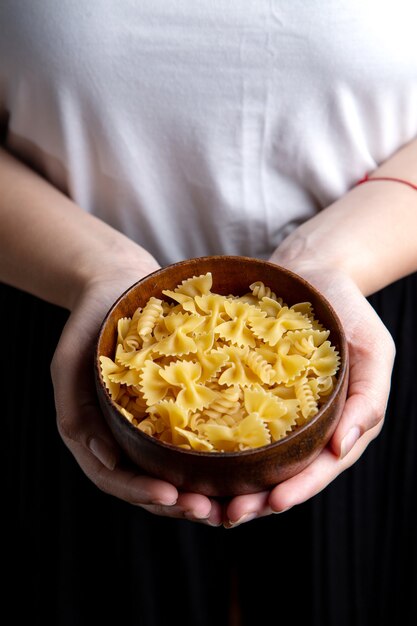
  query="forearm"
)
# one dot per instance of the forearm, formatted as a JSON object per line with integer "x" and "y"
{"x": 49, "y": 246}
{"x": 370, "y": 233}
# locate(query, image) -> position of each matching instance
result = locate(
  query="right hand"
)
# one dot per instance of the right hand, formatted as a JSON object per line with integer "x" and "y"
{"x": 80, "y": 422}
{"x": 371, "y": 358}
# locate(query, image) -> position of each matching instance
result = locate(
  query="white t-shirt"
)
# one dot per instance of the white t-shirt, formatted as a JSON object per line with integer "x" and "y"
{"x": 209, "y": 126}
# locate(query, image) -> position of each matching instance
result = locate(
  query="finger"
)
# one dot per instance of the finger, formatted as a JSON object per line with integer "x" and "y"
{"x": 198, "y": 507}
{"x": 297, "y": 489}
{"x": 317, "y": 475}
{"x": 154, "y": 495}
{"x": 125, "y": 481}
{"x": 369, "y": 388}
{"x": 359, "y": 416}
{"x": 192, "y": 507}
{"x": 245, "y": 508}
{"x": 79, "y": 419}
{"x": 85, "y": 432}
{"x": 83, "y": 425}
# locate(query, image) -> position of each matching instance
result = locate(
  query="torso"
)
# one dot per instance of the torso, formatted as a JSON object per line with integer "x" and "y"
{"x": 204, "y": 128}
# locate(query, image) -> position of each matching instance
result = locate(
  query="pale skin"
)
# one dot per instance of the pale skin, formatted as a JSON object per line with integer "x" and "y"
{"x": 355, "y": 247}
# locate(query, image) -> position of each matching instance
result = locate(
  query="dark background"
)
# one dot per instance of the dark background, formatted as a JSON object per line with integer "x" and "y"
{"x": 75, "y": 555}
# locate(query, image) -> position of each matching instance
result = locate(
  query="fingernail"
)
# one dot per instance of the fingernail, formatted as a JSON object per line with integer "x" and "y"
{"x": 245, "y": 518}
{"x": 193, "y": 515}
{"x": 102, "y": 452}
{"x": 162, "y": 502}
{"x": 349, "y": 441}
{"x": 214, "y": 523}
{"x": 283, "y": 510}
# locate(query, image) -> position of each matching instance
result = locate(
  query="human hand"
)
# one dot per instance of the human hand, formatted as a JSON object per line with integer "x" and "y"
{"x": 80, "y": 422}
{"x": 371, "y": 355}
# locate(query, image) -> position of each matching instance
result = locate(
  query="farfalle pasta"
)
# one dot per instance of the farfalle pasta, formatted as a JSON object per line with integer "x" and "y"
{"x": 220, "y": 373}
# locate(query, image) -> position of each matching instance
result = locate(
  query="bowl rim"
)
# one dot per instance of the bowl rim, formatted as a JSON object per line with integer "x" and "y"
{"x": 174, "y": 449}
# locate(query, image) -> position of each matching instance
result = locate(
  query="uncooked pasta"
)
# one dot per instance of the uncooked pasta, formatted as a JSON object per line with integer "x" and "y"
{"x": 217, "y": 373}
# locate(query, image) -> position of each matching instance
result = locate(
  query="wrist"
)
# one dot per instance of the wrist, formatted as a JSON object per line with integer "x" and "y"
{"x": 115, "y": 264}
{"x": 305, "y": 255}
{"x": 368, "y": 234}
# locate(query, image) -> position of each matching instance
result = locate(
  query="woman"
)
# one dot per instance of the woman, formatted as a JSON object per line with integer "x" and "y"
{"x": 139, "y": 134}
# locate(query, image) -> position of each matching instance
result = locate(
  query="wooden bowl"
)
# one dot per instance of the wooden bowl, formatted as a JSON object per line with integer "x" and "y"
{"x": 224, "y": 473}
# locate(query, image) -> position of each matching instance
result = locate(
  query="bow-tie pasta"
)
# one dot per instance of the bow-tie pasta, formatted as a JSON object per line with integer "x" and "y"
{"x": 210, "y": 372}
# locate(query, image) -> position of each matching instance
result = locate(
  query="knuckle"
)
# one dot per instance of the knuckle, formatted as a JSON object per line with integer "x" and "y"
{"x": 376, "y": 414}
{"x": 391, "y": 346}
{"x": 58, "y": 358}
{"x": 54, "y": 365}
{"x": 385, "y": 348}
{"x": 377, "y": 418}
{"x": 386, "y": 342}
{"x": 67, "y": 429}
{"x": 100, "y": 480}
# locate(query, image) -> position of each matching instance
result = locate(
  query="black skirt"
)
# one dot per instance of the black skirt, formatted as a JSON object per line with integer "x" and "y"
{"x": 76, "y": 556}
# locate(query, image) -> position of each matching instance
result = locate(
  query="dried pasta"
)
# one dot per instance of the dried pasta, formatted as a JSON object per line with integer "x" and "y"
{"x": 217, "y": 373}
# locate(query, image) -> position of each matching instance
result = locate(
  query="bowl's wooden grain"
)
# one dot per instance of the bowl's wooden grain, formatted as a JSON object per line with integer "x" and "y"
{"x": 217, "y": 473}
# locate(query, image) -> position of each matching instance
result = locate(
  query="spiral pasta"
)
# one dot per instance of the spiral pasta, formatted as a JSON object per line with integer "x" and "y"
{"x": 260, "y": 291}
{"x": 149, "y": 316}
{"x": 131, "y": 339}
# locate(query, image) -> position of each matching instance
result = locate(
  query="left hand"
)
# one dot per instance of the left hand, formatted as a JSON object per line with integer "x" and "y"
{"x": 371, "y": 353}
{"x": 80, "y": 422}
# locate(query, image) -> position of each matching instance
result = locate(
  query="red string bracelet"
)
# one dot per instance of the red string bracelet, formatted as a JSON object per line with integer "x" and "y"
{"x": 367, "y": 179}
